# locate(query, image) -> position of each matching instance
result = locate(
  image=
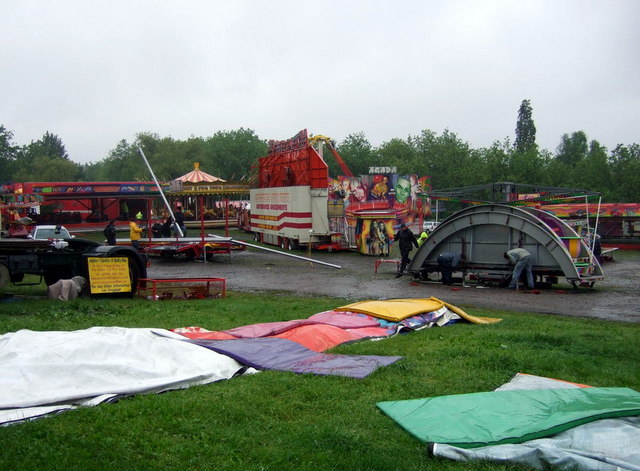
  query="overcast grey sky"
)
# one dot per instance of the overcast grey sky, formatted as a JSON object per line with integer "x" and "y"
{"x": 94, "y": 73}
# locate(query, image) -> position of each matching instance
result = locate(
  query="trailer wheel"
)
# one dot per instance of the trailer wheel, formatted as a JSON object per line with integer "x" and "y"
{"x": 284, "y": 243}
{"x": 134, "y": 274}
{"x": 4, "y": 275}
{"x": 50, "y": 277}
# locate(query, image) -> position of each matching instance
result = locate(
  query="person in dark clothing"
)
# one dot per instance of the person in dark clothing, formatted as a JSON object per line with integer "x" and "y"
{"x": 156, "y": 229}
{"x": 110, "y": 232}
{"x": 179, "y": 215}
{"x": 406, "y": 240}
{"x": 447, "y": 262}
{"x": 166, "y": 227}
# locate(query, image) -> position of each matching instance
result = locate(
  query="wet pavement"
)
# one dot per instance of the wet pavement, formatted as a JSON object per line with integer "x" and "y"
{"x": 617, "y": 298}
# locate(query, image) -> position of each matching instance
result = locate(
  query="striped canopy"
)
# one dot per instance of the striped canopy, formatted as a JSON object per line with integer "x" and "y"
{"x": 198, "y": 176}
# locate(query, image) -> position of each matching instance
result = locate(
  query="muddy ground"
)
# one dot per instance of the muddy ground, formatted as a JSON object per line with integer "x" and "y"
{"x": 616, "y": 298}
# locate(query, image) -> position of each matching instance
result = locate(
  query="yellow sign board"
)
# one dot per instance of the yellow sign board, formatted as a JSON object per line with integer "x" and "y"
{"x": 109, "y": 275}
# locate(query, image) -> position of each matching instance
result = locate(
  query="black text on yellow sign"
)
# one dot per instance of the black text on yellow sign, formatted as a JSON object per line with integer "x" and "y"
{"x": 109, "y": 275}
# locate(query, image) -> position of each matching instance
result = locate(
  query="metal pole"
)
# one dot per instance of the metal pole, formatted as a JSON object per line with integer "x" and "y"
{"x": 166, "y": 203}
{"x": 595, "y": 229}
{"x": 279, "y": 252}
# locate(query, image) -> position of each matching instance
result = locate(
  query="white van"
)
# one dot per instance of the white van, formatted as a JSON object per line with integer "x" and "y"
{"x": 429, "y": 226}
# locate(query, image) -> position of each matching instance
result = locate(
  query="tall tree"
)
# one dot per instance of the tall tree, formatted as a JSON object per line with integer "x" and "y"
{"x": 46, "y": 160}
{"x": 593, "y": 172}
{"x": 357, "y": 153}
{"x": 397, "y": 153}
{"x": 8, "y": 152}
{"x": 232, "y": 154}
{"x": 572, "y": 149}
{"x": 625, "y": 168}
{"x": 494, "y": 163}
{"x": 446, "y": 158}
{"x": 525, "y": 129}
{"x": 49, "y": 145}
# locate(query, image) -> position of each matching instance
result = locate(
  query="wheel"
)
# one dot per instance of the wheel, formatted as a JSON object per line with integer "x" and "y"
{"x": 4, "y": 275}
{"x": 134, "y": 274}
{"x": 50, "y": 277}
{"x": 284, "y": 243}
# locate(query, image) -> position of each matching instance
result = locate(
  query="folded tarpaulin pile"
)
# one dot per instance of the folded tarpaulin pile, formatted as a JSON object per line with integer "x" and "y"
{"x": 539, "y": 422}
{"x": 294, "y": 345}
{"x": 353, "y": 322}
{"x": 397, "y": 310}
{"x": 285, "y": 355}
{"x": 46, "y": 372}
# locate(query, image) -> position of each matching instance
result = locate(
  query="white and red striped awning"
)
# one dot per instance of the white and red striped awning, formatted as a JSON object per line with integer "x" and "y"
{"x": 198, "y": 176}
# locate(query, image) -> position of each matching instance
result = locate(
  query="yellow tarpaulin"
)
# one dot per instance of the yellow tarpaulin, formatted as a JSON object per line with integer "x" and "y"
{"x": 396, "y": 310}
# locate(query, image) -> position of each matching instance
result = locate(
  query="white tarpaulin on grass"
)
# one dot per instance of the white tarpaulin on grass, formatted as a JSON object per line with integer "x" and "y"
{"x": 44, "y": 372}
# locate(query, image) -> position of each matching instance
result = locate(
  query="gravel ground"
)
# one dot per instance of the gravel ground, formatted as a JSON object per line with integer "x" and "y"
{"x": 616, "y": 298}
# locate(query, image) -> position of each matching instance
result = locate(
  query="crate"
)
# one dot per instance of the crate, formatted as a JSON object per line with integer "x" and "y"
{"x": 181, "y": 289}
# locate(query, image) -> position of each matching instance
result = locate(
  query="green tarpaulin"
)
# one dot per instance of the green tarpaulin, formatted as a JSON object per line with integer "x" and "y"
{"x": 497, "y": 417}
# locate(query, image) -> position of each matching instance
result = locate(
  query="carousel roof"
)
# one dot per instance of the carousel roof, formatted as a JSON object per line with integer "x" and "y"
{"x": 198, "y": 176}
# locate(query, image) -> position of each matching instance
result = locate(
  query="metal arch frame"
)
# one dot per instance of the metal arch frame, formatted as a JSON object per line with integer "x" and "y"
{"x": 524, "y": 220}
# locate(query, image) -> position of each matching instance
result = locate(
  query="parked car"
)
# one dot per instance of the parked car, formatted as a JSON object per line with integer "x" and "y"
{"x": 429, "y": 226}
{"x": 55, "y": 233}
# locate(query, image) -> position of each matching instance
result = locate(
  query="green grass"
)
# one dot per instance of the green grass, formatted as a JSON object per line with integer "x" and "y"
{"x": 278, "y": 420}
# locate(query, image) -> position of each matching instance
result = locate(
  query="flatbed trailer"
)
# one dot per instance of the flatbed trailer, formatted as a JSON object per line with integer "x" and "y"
{"x": 186, "y": 247}
{"x": 20, "y": 257}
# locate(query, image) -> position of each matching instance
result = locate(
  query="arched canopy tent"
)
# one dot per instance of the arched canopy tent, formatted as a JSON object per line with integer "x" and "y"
{"x": 483, "y": 232}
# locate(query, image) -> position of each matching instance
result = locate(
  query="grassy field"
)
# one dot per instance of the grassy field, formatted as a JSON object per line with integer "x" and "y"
{"x": 281, "y": 421}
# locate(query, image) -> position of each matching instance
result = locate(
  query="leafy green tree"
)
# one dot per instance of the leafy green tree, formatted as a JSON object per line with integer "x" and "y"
{"x": 397, "y": 153}
{"x": 572, "y": 149}
{"x": 495, "y": 163}
{"x": 593, "y": 172}
{"x": 625, "y": 172}
{"x": 8, "y": 152}
{"x": 358, "y": 154}
{"x": 45, "y": 160}
{"x": 231, "y": 155}
{"x": 42, "y": 168}
{"x": 527, "y": 167}
{"x": 122, "y": 164}
{"x": 449, "y": 160}
{"x": 525, "y": 129}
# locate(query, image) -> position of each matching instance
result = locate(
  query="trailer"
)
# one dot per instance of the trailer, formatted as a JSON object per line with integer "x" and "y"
{"x": 78, "y": 257}
{"x": 190, "y": 248}
{"x": 290, "y": 207}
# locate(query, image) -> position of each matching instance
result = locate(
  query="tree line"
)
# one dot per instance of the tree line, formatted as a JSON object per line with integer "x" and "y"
{"x": 450, "y": 161}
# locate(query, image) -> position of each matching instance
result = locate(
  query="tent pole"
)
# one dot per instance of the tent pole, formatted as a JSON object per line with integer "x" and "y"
{"x": 166, "y": 203}
{"x": 299, "y": 257}
{"x": 226, "y": 217}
